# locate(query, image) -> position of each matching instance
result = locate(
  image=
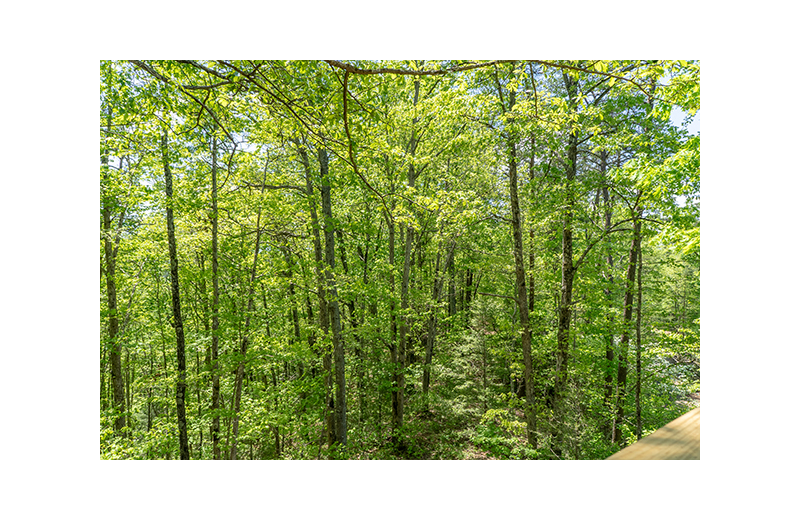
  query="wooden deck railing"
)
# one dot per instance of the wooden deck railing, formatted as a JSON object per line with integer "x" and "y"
{"x": 678, "y": 440}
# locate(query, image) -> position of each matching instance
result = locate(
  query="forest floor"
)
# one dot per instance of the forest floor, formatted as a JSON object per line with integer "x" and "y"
{"x": 443, "y": 431}
{"x": 436, "y": 436}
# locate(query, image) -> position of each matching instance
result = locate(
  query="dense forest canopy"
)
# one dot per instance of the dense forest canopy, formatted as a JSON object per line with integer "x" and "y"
{"x": 398, "y": 259}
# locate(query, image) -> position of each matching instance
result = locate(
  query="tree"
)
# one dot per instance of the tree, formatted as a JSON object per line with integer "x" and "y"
{"x": 177, "y": 318}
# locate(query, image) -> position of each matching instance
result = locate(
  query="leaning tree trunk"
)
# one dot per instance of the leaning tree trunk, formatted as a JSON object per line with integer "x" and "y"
{"x": 180, "y": 391}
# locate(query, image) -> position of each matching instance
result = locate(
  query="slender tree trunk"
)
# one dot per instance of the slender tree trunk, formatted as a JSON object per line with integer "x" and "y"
{"x": 519, "y": 263}
{"x": 245, "y": 338}
{"x": 103, "y": 368}
{"x": 215, "y": 400}
{"x": 624, "y": 342}
{"x": 128, "y": 384}
{"x": 404, "y": 326}
{"x": 567, "y": 264}
{"x": 111, "y": 292}
{"x": 150, "y": 412}
{"x": 180, "y": 391}
{"x": 340, "y": 410}
{"x": 397, "y": 417}
{"x": 324, "y": 315}
{"x": 405, "y": 318}
{"x": 431, "y": 339}
{"x": 451, "y": 296}
{"x": 608, "y": 386}
{"x": 436, "y": 298}
{"x": 639, "y": 343}
{"x": 468, "y": 291}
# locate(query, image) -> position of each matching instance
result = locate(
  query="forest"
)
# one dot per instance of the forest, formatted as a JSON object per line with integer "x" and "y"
{"x": 407, "y": 259}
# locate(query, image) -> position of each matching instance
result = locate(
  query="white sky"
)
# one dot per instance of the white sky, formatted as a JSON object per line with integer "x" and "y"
{"x": 678, "y": 116}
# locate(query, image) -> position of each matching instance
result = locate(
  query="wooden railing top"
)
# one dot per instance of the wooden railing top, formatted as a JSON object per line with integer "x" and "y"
{"x": 678, "y": 440}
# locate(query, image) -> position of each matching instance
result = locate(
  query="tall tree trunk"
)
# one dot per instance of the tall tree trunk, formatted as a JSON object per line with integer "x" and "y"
{"x": 324, "y": 315}
{"x": 111, "y": 292}
{"x": 519, "y": 263}
{"x": 624, "y": 342}
{"x": 215, "y": 400}
{"x": 567, "y": 263}
{"x": 405, "y": 318}
{"x": 180, "y": 391}
{"x": 245, "y": 336}
{"x": 436, "y": 298}
{"x": 397, "y": 417}
{"x": 608, "y": 384}
{"x": 340, "y": 410}
{"x": 129, "y": 373}
{"x": 431, "y": 339}
{"x": 404, "y": 326}
{"x": 639, "y": 343}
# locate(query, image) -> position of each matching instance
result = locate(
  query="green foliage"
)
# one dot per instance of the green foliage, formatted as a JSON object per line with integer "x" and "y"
{"x": 429, "y": 154}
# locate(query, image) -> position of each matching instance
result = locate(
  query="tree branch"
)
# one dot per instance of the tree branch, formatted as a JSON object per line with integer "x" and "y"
{"x": 406, "y": 72}
{"x": 350, "y": 143}
{"x": 150, "y": 70}
{"x": 607, "y": 74}
{"x": 610, "y": 230}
